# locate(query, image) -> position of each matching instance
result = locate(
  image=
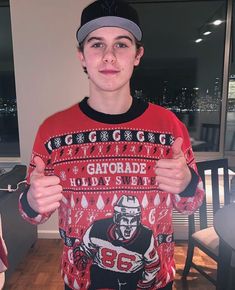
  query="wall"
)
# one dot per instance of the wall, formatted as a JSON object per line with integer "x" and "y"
{"x": 47, "y": 71}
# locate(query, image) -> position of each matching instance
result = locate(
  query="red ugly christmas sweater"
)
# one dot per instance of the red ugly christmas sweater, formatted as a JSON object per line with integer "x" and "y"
{"x": 115, "y": 223}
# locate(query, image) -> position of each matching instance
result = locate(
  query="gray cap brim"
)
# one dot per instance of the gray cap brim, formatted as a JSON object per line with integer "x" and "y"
{"x": 109, "y": 21}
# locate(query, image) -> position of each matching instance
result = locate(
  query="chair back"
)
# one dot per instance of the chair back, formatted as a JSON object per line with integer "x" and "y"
{"x": 210, "y": 134}
{"x": 232, "y": 146}
{"x": 215, "y": 178}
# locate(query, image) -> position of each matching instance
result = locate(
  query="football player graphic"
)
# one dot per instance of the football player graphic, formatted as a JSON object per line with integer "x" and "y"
{"x": 119, "y": 250}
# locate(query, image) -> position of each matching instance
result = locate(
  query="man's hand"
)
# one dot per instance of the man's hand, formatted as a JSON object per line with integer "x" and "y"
{"x": 173, "y": 175}
{"x": 45, "y": 192}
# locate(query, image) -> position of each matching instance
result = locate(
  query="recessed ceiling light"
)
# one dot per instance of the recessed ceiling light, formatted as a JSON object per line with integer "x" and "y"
{"x": 198, "y": 40}
{"x": 217, "y": 22}
{"x": 207, "y": 32}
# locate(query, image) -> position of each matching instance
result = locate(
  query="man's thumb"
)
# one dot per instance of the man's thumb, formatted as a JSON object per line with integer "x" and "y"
{"x": 40, "y": 165}
{"x": 176, "y": 148}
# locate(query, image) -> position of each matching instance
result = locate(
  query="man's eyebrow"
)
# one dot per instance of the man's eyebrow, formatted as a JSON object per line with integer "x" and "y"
{"x": 126, "y": 37}
{"x": 97, "y": 38}
{"x": 94, "y": 38}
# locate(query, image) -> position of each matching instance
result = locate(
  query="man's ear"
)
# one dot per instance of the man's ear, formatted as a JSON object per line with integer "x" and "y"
{"x": 139, "y": 54}
{"x": 81, "y": 58}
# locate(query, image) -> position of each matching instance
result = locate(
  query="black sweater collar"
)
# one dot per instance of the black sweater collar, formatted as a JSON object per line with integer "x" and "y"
{"x": 137, "y": 108}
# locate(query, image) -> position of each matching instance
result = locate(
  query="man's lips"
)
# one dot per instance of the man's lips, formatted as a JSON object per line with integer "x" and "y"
{"x": 109, "y": 71}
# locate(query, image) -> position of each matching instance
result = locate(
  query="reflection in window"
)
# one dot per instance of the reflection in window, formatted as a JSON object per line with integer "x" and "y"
{"x": 9, "y": 140}
{"x": 183, "y": 64}
{"x": 230, "y": 130}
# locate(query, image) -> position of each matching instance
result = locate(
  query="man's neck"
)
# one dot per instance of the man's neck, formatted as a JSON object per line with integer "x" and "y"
{"x": 110, "y": 103}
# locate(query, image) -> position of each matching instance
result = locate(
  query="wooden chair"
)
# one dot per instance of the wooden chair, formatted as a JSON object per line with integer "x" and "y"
{"x": 210, "y": 134}
{"x": 214, "y": 174}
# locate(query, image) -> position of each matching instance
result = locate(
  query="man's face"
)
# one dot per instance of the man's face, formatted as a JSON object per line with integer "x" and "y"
{"x": 128, "y": 226}
{"x": 109, "y": 56}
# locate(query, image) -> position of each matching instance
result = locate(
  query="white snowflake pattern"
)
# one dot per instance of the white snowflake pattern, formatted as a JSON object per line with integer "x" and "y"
{"x": 57, "y": 142}
{"x": 128, "y": 135}
{"x": 75, "y": 170}
{"x": 104, "y": 136}
{"x": 63, "y": 175}
{"x": 151, "y": 137}
{"x": 80, "y": 138}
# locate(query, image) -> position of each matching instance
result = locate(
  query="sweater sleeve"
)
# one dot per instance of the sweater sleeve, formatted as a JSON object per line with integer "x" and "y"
{"x": 26, "y": 211}
{"x": 191, "y": 198}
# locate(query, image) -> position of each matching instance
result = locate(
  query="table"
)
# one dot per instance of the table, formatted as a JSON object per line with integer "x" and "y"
{"x": 224, "y": 224}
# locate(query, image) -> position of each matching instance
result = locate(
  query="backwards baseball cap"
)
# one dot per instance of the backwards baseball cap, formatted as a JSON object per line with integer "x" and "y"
{"x": 109, "y": 13}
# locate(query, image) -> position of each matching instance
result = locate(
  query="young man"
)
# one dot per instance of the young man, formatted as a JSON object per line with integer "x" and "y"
{"x": 114, "y": 167}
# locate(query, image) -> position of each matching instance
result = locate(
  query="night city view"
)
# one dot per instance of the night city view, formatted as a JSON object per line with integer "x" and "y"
{"x": 190, "y": 99}
{"x": 9, "y": 139}
{"x": 186, "y": 103}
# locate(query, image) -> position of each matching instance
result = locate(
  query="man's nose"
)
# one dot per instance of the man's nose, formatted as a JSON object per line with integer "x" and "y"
{"x": 109, "y": 55}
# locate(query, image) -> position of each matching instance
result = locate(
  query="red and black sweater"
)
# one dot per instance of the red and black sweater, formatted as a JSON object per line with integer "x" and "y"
{"x": 115, "y": 222}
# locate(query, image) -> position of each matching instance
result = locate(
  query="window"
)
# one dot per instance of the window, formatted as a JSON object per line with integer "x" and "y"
{"x": 182, "y": 68}
{"x": 9, "y": 140}
{"x": 230, "y": 130}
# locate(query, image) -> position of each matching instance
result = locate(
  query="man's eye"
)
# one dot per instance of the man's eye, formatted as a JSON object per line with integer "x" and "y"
{"x": 97, "y": 45}
{"x": 121, "y": 45}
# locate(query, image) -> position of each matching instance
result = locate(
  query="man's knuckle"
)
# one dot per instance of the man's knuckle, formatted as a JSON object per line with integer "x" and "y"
{"x": 36, "y": 182}
{"x": 60, "y": 188}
